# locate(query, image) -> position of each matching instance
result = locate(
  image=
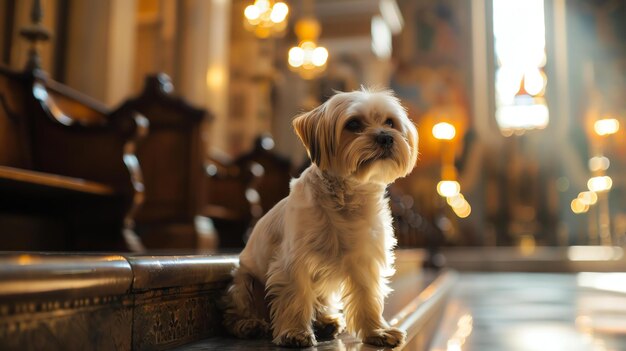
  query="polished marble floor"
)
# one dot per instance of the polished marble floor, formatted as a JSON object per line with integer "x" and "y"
{"x": 407, "y": 284}
{"x": 535, "y": 311}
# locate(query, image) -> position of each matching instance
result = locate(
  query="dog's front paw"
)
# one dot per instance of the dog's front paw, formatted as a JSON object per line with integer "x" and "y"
{"x": 295, "y": 338}
{"x": 328, "y": 327}
{"x": 250, "y": 328}
{"x": 390, "y": 337}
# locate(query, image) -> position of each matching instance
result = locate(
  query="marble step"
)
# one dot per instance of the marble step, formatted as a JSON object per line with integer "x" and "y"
{"x": 52, "y": 301}
{"x": 416, "y": 306}
{"x": 57, "y": 301}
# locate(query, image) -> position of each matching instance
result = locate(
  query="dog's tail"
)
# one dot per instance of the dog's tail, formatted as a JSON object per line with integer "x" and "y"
{"x": 245, "y": 310}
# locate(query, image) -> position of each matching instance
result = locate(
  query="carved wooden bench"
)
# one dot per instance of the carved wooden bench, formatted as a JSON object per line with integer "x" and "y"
{"x": 228, "y": 201}
{"x": 69, "y": 163}
{"x": 273, "y": 171}
{"x": 240, "y": 191}
{"x": 171, "y": 158}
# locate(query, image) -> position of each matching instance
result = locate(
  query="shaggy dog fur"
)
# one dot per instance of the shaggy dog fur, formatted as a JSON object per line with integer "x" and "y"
{"x": 332, "y": 238}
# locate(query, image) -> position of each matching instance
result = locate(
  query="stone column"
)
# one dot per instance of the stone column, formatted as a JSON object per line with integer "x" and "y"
{"x": 101, "y": 48}
{"x": 203, "y": 70}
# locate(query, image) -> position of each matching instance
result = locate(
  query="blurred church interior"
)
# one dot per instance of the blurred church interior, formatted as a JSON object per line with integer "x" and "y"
{"x": 140, "y": 140}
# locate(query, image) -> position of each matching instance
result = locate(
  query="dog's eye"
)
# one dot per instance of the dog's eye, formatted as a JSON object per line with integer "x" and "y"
{"x": 389, "y": 122}
{"x": 354, "y": 125}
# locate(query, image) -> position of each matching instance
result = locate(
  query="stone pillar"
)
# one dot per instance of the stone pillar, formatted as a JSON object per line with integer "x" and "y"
{"x": 101, "y": 48}
{"x": 203, "y": 68}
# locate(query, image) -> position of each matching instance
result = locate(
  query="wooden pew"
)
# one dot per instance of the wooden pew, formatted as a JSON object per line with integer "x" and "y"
{"x": 239, "y": 192}
{"x": 180, "y": 185}
{"x": 229, "y": 200}
{"x": 171, "y": 158}
{"x": 274, "y": 172}
{"x": 69, "y": 167}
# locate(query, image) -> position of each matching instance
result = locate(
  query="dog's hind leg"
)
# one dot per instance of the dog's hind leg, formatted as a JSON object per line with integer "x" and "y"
{"x": 245, "y": 306}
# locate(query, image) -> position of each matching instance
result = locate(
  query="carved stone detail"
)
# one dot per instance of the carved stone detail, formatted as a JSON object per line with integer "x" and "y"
{"x": 88, "y": 327}
{"x": 176, "y": 316}
{"x": 160, "y": 313}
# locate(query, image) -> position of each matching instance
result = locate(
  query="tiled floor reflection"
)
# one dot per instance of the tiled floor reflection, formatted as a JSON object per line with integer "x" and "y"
{"x": 534, "y": 311}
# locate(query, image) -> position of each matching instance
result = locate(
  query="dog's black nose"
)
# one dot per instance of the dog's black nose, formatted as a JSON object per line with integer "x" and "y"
{"x": 384, "y": 140}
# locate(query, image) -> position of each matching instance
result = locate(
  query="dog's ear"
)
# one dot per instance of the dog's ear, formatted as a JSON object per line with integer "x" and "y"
{"x": 412, "y": 138}
{"x": 306, "y": 126}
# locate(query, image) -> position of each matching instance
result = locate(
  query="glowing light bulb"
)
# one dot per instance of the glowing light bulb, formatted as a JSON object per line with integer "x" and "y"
{"x": 448, "y": 188}
{"x": 606, "y": 126}
{"x": 279, "y": 12}
{"x": 463, "y": 211}
{"x": 296, "y": 56}
{"x": 444, "y": 131}
{"x": 588, "y": 197}
{"x": 263, "y": 5}
{"x": 601, "y": 183}
{"x": 599, "y": 163}
{"x": 578, "y": 206}
{"x": 456, "y": 201}
{"x": 319, "y": 56}
{"x": 252, "y": 12}
{"x": 265, "y": 18}
{"x": 308, "y": 59}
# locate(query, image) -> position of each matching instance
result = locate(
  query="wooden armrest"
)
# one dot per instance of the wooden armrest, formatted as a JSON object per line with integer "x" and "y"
{"x": 220, "y": 212}
{"x": 54, "y": 181}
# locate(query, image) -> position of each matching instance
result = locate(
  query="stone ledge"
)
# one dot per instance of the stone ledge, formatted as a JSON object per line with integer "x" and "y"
{"x": 56, "y": 301}
{"x": 155, "y": 272}
{"x": 26, "y": 276}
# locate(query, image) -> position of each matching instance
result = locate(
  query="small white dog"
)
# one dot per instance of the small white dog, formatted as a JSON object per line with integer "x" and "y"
{"x": 333, "y": 235}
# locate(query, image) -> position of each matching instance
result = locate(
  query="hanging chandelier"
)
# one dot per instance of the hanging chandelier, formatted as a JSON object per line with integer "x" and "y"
{"x": 266, "y": 18}
{"x": 308, "y": 59}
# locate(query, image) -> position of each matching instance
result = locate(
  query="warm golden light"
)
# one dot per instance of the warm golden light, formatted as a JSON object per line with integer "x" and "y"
{"x": 578, "y": 206}
{"x": 444, "y": 131}
{"x": 463, "y": 211}
{"x": 448, "y": 188}
{"x": 252, "y": 12}
{"x": 599, "y": 163}
{"x": 296, "y": 56}
{"x": 266, "y": 18}
{"x": 215, "y": 76}
{"x": 319, "y": 56}
{"x": 606, "y": 126}
{"x": 459, "y": 205}
{"x": 527, "y": 244}
{"x": 279, "y": 12}
{"x": 456, "y": 201}
{"x": 308, "y": 55}
{"x": 308, "y": 59}
{"x": 601, "y": 183}
{"x": 463, "y": 331}
{"x": 588, "y": 197}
